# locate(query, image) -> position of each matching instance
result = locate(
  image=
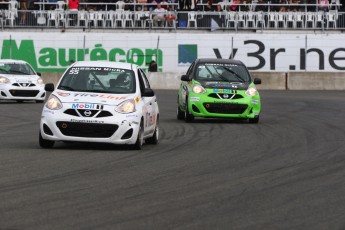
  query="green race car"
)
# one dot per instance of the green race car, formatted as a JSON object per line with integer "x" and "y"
{"x": 218, "y": 88}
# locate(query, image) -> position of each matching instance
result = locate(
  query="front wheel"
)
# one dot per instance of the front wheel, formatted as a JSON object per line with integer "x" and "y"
{"x": 140, "y": 139}
{"x": 179, "y": 113}
{"x": 154, "y": 139}
{"x": 46, "y": 144}
{"x": 254, "y": 120}
{"x": 187, "y": 116}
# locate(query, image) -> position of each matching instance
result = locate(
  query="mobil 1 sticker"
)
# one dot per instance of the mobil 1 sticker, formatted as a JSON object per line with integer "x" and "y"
{"x": 86, "y": 106}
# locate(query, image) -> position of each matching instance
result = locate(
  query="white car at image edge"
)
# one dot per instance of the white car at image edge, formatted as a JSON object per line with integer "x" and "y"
{"x": 100, "y": 101}
{"x": 20, "y": 82}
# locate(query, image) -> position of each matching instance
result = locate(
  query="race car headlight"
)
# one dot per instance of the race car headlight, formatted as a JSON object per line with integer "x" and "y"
{"x": 53, "y": 103}
{"x": 198, "y": 89}
{"x": 251, "y": 91}
{"x": 4, "y": 80}
{"x": 126, "y": 107}
{"x": 40, "y": 81}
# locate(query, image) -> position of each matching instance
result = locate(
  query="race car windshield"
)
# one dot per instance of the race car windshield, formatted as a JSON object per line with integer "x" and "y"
{"x": 16, "y": 69}
{"x": 98, "y": 79}
{"x": 222, "y": 72}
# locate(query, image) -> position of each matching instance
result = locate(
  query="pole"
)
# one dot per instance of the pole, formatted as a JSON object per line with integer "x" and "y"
{"x": 157, "y": 50}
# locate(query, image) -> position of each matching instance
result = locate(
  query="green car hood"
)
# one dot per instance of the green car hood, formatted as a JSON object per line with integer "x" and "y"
{"x": 226, "y": 85}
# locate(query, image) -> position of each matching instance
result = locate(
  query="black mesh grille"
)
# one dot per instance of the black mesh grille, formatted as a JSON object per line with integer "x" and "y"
{"x": 225, "y": 108}
{"x": 78, "y": 129}
{"x": 47, "y": 130}
{"x": 214, "y": 95}
{"x": 24, "y": 93}
{"x": 195, "y": 109}
{"x": 127, "y": 135}
{"x": 73, "y": 112}
{"x": 24, "y": 84}
{"x": 104, "y": 114}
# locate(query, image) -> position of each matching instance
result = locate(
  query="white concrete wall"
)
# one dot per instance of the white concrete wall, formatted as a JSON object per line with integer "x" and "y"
{"x": 270, "y": 80}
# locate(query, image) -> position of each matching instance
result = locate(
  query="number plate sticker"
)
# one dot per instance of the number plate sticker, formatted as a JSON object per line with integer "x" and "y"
{"x": 222, "y": 91}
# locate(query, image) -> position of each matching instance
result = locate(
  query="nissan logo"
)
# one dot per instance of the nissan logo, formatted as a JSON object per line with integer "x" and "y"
{"x": 87, "y": 113}
{"x": 225, "y": 96}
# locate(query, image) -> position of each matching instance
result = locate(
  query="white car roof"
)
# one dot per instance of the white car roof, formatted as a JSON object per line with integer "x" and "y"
{"x": 12, "y": 61}
{"x": 121, "y": 65}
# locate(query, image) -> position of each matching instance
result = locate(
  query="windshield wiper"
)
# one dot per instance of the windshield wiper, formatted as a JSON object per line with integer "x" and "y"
{"x": 219, "y": 75}
{"x": 64, "y": 87}
{"x": 235, "y": 74}
{"x": 17, "y": 71}
{"x": 4, "y": 71}
{"x": 95, "y": 91}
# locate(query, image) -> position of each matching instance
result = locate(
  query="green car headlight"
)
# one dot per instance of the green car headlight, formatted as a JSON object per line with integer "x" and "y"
{"x": 251, "y": 91}
{"x": 198, "y": 89}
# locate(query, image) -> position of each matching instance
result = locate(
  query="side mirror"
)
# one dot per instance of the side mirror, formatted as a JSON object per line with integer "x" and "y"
{"x": 257, "y": 81}
{"x": 148, "y": 93}
{"x": 39, "y": 74}
{"x": 49, "y": 87}
{"x": 185, "y": 78}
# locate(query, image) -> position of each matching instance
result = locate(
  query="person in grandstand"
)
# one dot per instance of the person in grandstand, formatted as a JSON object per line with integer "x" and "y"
{"x": 158, "y": 16}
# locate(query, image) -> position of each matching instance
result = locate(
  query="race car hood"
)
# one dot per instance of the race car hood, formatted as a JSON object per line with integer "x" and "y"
{"x": 226, "y": 85}
{"x": 87, "y": 97}
{"x": 21, "y": 78}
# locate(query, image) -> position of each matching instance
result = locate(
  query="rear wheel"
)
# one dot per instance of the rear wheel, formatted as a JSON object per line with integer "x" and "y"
{"x": 46, "y": 144}
{"x": 254, "y": 120}
{"x": 187, "y": 116}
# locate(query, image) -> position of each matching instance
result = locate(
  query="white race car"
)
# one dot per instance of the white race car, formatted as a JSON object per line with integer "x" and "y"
{"x": 100, "y": 101}
{"x": 19, "y": 81}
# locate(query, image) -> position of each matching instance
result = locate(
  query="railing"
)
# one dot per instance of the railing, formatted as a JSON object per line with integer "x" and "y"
{"x": 121, "y": 19}
{"x": 106, "y": 5}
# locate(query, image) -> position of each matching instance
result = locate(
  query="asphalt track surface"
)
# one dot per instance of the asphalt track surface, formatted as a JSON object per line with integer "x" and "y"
{"x": 287, "y": 172}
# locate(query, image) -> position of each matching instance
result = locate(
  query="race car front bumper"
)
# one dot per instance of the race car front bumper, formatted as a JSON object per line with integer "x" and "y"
{"x": 10, "y": 92}
{"x": 205, "y": 106}
{"x": 57, "y": 126}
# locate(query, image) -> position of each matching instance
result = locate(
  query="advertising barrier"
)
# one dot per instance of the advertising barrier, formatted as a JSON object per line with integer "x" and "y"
{"x": 173, "y": 52}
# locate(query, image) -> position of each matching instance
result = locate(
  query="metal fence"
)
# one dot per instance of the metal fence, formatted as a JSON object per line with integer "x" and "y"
{"x": 172, "y": 20}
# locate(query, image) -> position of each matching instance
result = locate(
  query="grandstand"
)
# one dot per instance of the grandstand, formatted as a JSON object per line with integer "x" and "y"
{"x": 256, "y": 15}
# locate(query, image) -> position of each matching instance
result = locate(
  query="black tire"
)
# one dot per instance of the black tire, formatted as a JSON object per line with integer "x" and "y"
{"x": 140, "y": 139}
{"x": 254, "y": 120}
{"x": 154, "y": 139}
{"x": 46, "y": 144}
{"x": 179, "y": 113}
{"x": 187, "y": 116}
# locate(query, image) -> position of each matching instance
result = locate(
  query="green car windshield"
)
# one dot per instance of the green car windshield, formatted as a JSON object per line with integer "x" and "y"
{"x": 222, "y": 72}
